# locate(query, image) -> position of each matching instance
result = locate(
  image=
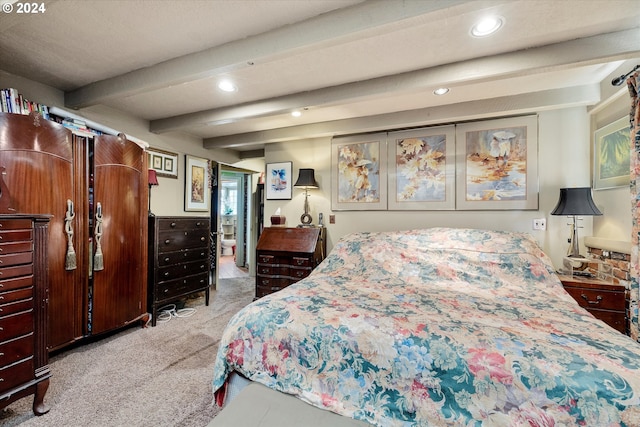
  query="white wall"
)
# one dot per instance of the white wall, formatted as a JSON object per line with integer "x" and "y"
{"x": 564, "y": 161}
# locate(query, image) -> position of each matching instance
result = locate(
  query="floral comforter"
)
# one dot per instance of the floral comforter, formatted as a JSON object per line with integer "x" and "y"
{"x": 437, "y": 327}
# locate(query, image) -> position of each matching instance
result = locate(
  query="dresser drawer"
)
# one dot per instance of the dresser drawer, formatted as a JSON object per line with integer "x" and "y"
{"x": 182, "y": 224}
{"x": 15, "y": 295}
{"x": 169, "y": 241}
{"x": 15, "y": 247}
{"x": 16, "y": 306}
{"x": 16, "y": 283}
{"x": 16, "y": 325}
{"x": 15, "y": 350}
{"x": 15, "y": 375}
{"x": 15, "y": 271}
{"x": 178, "y": 287}
{"x": 182, "y": 270}
{"x": 15, "y": 224}
{"x": 170, "y": 258}
{"x": 598, "y": 298}
{"x": 16, "y": 259}
{"x": 16, "y": 236}
{"x": 615, "y": 319}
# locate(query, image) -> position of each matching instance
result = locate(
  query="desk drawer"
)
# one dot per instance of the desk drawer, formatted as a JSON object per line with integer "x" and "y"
{"x": 16, "y": 259}
{"x": 15, "y": 375}
{"x": 16, "y": 235}
{"x": 15, "y": 325}
{"x": 19, "y": 294}
{"x": 15, "y": 350}
{"x": 299, "y": 273}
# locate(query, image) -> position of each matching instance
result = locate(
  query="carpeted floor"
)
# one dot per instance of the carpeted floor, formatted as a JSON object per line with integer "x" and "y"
{"x": 158, "y": 376}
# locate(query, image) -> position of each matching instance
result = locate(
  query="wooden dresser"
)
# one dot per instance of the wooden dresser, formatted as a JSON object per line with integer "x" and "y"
{"x": 178, "y": 259}
{"x": 24, "y": 294}
{"x": 606, "y": 301}
{"x": 286, "y": 255}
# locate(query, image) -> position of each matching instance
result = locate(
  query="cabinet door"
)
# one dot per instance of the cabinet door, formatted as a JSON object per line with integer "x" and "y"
{"x": 37, "y": 176}
{"x": 120, "y": 188}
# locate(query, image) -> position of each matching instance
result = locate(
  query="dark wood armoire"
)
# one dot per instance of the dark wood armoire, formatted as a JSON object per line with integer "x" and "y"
{"x": 95, "y": 189}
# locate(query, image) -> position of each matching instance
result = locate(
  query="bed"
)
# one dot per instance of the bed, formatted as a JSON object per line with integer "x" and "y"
{"x": 437, "y": 327}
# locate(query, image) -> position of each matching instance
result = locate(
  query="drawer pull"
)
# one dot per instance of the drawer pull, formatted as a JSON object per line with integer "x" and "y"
{"x": 1, "y": 354}
{"x": 166, "y": 274}
{"x": 173, "y": 224}
{"x": 202, "y": 239}
{"x": 70, "y": 261}
{"x": 166, "y": 242}
{"x": 596, "y": 302}
{"x": 167, "y": 259}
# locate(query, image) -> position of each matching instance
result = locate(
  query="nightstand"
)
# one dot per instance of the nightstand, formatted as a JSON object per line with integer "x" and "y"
{"x": 606, "y": 301}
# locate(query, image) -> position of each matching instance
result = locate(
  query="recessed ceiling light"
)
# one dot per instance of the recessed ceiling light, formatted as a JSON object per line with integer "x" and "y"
{"x": 441, "y": 91}
{"x": 487, "y": 26}
{"x": 296, "y": 113}
{"x": 227, "y": 86}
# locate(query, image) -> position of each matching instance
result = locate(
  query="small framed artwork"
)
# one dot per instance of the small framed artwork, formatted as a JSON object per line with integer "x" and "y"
{"x": 612, "y": 155}
{"x": 278, "y": 181}
{"x": 497, "y": 164}
{"x": 422, "y": 169}
{"x": 165, "y": 163}
{"x": 196, "y": 181}
{"x": 359, "y": 172}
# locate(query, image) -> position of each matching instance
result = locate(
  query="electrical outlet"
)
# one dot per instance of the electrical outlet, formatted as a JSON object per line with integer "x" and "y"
{"x": 540, "y": 224}
{"x": 332, "y": 219}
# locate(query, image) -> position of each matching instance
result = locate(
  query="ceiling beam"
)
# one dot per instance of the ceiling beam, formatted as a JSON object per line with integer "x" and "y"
{"x": 474, "y": 110}
{"x": 327, "y": 29}
{"x": 565, "y": 55}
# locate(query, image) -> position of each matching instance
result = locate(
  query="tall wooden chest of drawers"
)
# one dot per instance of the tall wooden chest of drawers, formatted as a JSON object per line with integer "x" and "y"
{"x": 24, "y": 294}
{"x": 178, "y": 259}
{"x": 286, "y": 255}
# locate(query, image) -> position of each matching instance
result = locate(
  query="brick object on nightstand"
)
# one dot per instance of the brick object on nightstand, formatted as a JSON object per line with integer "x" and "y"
{"x": 606, "y": 301}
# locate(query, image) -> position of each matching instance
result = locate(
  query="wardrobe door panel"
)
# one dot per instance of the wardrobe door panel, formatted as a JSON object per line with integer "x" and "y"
{"x": 120, "y": 197}
{"x": 38, "y": 177}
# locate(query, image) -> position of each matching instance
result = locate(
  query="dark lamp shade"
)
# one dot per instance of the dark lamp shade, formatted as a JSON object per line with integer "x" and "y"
{"x": 576, "y": 201}
{"x": 153, "y": 178}
{"x": 306, "y": 179}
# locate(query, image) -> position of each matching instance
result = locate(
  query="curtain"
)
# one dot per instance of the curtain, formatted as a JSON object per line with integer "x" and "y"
{"x": 633, "y": 84}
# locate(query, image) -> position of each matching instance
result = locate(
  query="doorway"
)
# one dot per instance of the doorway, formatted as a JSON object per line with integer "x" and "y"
{"x": 234, "y": 212}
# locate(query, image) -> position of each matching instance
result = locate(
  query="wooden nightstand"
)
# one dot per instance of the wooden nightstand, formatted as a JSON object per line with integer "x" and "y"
{"x": 606, "y": 301}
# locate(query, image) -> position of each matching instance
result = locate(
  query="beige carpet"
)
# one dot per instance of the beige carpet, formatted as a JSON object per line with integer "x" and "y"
{"x": 158, "y": 376}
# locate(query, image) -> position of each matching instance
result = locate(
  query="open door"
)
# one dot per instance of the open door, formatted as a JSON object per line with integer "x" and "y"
{"x": 215, "y": 223}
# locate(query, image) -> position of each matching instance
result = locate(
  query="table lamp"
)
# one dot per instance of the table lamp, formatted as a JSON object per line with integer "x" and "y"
{"x": 574, "y": 202}
{"x": 306, "y": 180}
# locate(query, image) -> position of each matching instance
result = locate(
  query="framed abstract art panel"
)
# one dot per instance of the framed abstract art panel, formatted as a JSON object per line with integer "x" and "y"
{"x": 422, "y": 169}
{"x": 612, "y": 155}
{"x": 497, "y": 164}
{"x": 359, "y": 172}
{"x": 278, "y": 181}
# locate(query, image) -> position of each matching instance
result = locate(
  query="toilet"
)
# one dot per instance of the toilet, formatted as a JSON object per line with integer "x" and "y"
{"x": 227, "y": 246}
{"x": 228, "y": 242}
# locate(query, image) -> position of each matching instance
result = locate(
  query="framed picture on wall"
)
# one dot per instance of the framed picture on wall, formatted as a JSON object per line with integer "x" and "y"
{"x": 165, "y": 163}
{"x": 359, "y": 172}
{"x": 612, "y": 155}
{"x": 422, "y": 169}
{"x": 278, "y": 181}
{"x": 497, "y": 164}
{"x": 196, "y": 181}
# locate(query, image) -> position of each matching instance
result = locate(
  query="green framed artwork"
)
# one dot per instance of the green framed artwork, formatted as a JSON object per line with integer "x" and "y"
{"x": 611, "y": 155}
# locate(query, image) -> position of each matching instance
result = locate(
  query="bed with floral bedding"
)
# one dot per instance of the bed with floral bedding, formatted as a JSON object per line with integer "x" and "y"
{"x": 436, "y": 327}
